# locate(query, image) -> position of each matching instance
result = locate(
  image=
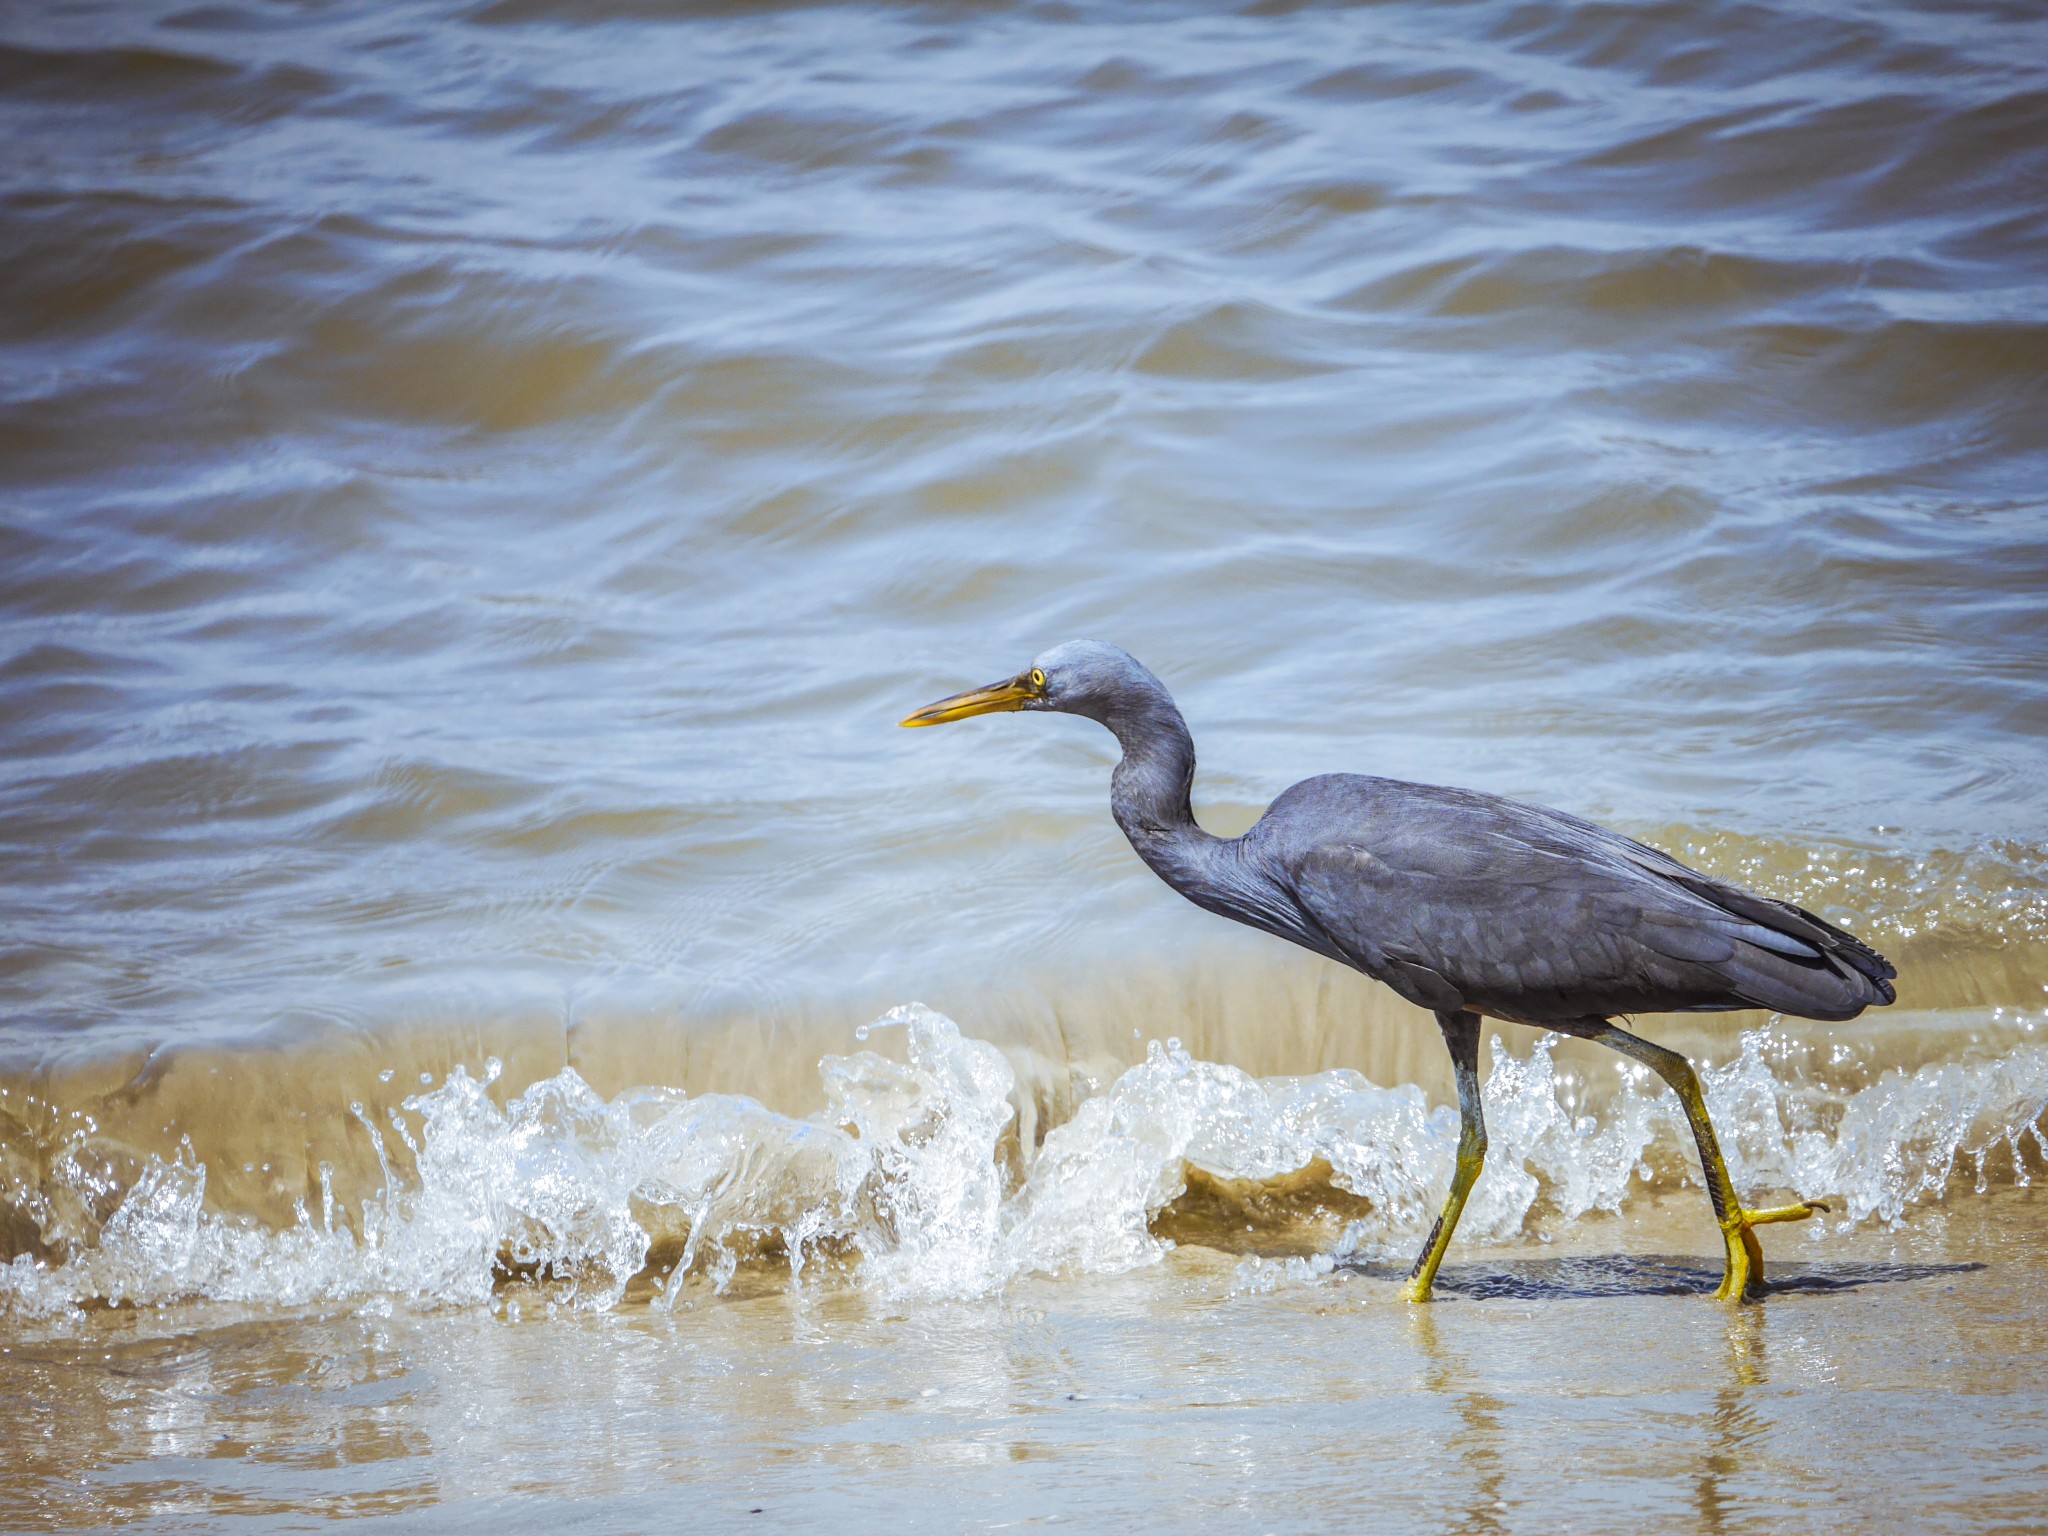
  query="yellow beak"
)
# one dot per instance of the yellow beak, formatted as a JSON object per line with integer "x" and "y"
{"x": 996, "y": 697}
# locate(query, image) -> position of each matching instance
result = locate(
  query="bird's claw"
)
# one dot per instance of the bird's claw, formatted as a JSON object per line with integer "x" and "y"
{"x": 1744, "y": 1276}
{"x": 1799, "y": 1212}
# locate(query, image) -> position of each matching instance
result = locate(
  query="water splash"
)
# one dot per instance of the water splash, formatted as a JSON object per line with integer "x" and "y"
{"x": 1894, "y": 1144}
{"x": 932, "y": 1187}
{"x": 912, "y": 1181}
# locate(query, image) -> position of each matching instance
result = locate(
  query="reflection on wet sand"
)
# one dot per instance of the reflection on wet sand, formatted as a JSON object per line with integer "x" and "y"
{"x": 1732, "y": 1424}
{"x": 1475, "y": 1446}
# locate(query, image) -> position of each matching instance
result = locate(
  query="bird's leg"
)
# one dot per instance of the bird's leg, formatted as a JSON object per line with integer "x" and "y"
{"x": 1744, "y": 1275}
{"x": 1461, "y": 1035}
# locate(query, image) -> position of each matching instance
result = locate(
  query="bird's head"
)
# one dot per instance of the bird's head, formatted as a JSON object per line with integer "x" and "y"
{"x": 1082, "y": 677}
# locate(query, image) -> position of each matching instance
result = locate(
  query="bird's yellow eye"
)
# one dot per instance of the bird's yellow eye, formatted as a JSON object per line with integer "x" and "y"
{"x": 1037, "y": 678}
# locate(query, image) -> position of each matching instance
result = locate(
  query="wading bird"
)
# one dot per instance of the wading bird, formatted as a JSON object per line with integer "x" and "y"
{"x": 1467, "y": 905}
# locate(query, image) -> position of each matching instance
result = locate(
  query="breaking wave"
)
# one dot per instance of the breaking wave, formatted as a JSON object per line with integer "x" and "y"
{"x": 914, "y": 1182}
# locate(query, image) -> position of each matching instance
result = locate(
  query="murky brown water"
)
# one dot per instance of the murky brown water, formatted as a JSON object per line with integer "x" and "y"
{"x": 478, "y": 484}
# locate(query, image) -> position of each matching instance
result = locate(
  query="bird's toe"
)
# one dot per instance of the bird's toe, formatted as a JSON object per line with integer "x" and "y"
{"x": 1744, "y": 1276}
{"x": 1799, "y": 1212}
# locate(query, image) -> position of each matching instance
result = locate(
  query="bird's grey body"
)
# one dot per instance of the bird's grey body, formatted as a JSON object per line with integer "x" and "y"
{"x": 1465, "y": 904}
{"x": 1463, "y": 901}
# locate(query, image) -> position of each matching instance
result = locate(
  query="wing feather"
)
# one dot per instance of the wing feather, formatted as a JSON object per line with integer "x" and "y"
{"x": 1457, "y": 899}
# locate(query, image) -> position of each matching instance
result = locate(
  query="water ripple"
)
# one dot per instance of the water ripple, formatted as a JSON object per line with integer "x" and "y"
{"x": 481, "y": 480}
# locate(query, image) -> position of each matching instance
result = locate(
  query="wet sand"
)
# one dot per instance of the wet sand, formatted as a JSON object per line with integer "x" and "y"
{"x": 1895, "y": 1385}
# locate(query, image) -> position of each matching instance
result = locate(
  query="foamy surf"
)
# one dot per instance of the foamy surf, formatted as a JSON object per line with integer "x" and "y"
{"x": 912, "y": 1181}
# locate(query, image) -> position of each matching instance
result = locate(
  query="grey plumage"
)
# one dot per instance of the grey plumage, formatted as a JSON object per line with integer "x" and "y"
{"x": 1458, "y": 900}
{"x": 1466, "y": 904}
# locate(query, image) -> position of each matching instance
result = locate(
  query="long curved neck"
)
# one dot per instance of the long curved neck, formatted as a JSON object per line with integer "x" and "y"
{"x": 1150, "y": 796}
{"x": 1150, "y": 791}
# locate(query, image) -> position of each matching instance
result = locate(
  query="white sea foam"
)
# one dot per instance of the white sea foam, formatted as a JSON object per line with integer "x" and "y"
{"x": 911, "y": 1181}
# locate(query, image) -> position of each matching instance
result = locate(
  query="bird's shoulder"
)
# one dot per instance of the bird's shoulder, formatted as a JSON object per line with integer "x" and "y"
{"x": 1443, "y": 832}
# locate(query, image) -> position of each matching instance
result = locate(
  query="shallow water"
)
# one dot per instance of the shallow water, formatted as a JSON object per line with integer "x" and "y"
{"x": 1898, "y": 1389}
{"x": 479, "y": 482}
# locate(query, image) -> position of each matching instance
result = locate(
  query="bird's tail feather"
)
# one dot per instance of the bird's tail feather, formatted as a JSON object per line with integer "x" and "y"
{"x": 1820, "y": 988}
{"x": 1838, "y": 979}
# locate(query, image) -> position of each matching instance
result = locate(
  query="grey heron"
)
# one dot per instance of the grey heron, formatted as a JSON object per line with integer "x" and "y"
{"x": 1468, "y": 905}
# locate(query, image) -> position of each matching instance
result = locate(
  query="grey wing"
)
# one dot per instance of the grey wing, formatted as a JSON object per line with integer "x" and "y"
{"x": 1458, "y": 900}
{"x": 1517, "y": 941}
{"x": 1778, "y": 926}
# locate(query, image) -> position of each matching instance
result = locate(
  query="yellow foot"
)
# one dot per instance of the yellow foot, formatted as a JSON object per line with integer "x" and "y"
{"x": 1744, "y": 1276}
{"x": 1417, "y": 1289}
